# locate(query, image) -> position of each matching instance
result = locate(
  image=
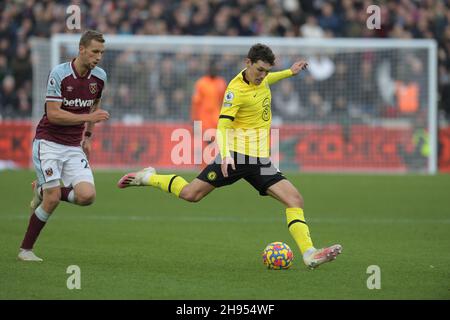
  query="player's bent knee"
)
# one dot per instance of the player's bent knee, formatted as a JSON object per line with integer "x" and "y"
{"x": 191, "y": 196}
{"x": 85, "y": 199}
{"x": 197, "y": 197}
{"x": 195, "y": 191}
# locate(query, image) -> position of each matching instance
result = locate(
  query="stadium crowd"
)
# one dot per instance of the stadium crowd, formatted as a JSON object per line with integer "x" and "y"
{"x": 22, "y": 19}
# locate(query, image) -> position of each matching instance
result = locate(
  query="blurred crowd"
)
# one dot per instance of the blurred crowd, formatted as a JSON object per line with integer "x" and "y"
{"x": 22, "y": 19}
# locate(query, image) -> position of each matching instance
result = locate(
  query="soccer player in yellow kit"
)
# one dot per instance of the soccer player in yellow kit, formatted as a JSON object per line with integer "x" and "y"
{"x": 243, "y": 138}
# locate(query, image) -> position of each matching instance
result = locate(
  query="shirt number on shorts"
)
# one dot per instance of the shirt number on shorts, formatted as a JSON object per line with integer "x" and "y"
{"x": 85, "y": 163}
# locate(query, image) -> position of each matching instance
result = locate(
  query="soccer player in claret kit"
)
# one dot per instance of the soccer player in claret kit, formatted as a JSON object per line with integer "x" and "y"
{"x": 245, "y": 108}
{"x": 62, "y": 142}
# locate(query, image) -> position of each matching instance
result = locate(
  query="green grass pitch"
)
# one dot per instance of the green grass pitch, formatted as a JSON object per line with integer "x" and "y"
{"x": 140, "y": 243}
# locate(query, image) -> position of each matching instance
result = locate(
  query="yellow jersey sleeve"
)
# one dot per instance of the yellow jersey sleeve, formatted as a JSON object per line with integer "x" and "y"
{"x": 221, "y": 135}
{"x": 230, "y": 107}
{"x": 231, "y": 104}
{"x": 273, "y": 77}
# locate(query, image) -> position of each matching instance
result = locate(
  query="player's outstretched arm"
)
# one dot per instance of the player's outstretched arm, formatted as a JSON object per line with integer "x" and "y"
{"x": 299, "y": 66}
{"x": 61, "y": 117}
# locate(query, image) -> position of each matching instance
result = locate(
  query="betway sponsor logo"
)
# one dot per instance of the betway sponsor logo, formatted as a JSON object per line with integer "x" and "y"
{"x": 78, "y": 103}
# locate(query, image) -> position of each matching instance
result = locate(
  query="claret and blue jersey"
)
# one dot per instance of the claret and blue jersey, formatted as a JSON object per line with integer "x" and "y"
{"x": 77, "y": 94}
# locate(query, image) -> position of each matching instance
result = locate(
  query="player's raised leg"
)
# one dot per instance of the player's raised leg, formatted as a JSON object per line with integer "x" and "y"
{"x": 192, "y": 192}
{"x": 196, "y": 190}
{"x": 137, "y": 179}
{"x": 286, "y": 193}
{"x": 148, "y": 177}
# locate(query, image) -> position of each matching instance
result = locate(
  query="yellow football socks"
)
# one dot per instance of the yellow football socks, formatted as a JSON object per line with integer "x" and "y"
{"x": 298, "y": 228}
{"x": 168, "y": 182}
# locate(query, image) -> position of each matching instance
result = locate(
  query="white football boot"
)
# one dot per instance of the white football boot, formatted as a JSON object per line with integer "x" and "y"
{"x": 28, "y": 255}
{"x": 321, "y": 256}
{"x": 135, "y": 179}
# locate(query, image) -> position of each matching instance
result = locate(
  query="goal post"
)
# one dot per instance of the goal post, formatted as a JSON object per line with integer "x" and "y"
{"x": 364, "y": 105}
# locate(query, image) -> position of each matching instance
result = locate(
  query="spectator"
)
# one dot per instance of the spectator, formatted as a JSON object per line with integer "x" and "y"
{"x": 21, "y": 65}
{"x": 444, "y": 88}
{"x": 311, "y": 29}
{"x": 4, "y": 69}
{"x": 8, "y": 98}
{"x": 287, "y": 103}
{"x": 319, "y": 108}
{"x": 24, "y": 104}
{"x": 367, "y": 88}
{"x": 329, "y": 20}
{"x": 409, "y": 87}
{"x": 207, "y": 98}
{"x": 353, "y": 26}
{"x": 160, "y": 107}
{"x": 207, "y": 101}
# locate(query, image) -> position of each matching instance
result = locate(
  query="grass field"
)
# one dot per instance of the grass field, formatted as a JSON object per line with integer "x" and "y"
{"x": 140, "y": 243}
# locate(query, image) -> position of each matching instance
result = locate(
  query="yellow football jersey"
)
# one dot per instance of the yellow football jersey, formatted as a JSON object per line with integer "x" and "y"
{"x": 245, "y": 117}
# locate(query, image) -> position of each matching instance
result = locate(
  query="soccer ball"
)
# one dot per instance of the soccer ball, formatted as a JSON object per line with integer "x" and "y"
{"x": 277, "y": 255}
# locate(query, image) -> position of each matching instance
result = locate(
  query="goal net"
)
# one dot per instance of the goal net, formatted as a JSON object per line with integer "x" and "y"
{"x": 362, "y": 106}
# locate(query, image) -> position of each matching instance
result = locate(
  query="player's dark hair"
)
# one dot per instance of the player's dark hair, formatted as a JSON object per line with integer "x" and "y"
{"x": 261, "y": 52}
{"x": 90, "y": 35}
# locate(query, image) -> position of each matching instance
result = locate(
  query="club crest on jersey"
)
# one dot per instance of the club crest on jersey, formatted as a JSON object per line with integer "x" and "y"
{"x": 49, "y": 172}
{"x": 93, "y": 87}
